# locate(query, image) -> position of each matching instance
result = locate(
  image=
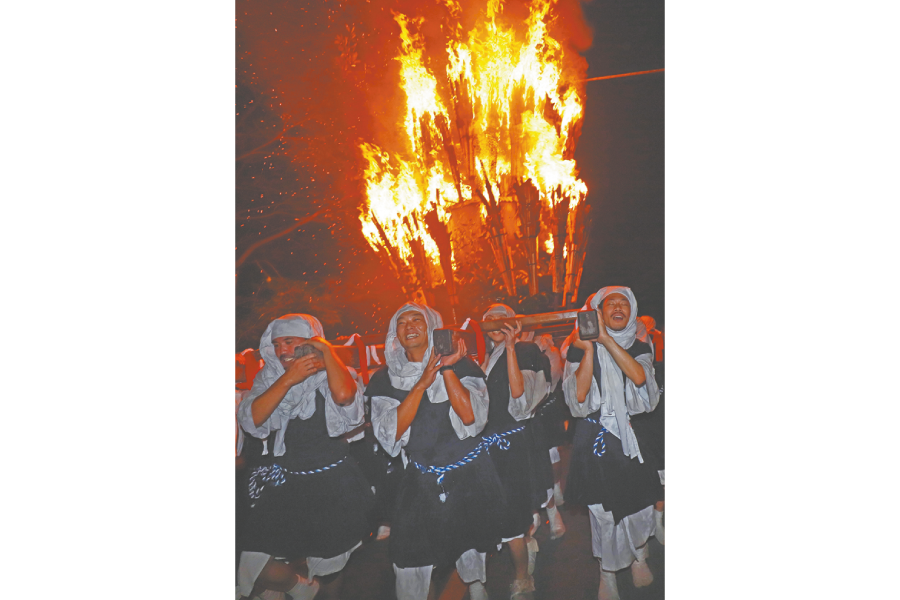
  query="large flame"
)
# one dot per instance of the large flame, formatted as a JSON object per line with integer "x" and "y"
{"x": 503, "y": 113}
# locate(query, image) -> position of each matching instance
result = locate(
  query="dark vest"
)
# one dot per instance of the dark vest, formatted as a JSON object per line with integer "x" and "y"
{"x": 432, "y": 440}
{"x": 307, "y": 444}
{"x": 529, "y": 358}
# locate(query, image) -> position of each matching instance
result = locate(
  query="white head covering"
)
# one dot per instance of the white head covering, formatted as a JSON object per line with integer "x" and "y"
{"x": 403, "y": 373}
{"x": 625, "y": 337}
{"x": 496, "y": 311}
{"x": 296, "y": 325}
{"x": 544, "y": 342}
{"x": 648, "y": 321}
{"x": 300, "y": 399}
{"x": 644, "y": 325}
{"x": 612, "y": 387}
{"x": 641, "y": 333}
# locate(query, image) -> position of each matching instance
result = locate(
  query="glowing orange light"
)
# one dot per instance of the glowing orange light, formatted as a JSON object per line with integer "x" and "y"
{"x": 504, "y": 111}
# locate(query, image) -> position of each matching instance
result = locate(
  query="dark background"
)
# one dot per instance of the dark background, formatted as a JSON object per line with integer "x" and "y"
{"x": 621, "y": 152}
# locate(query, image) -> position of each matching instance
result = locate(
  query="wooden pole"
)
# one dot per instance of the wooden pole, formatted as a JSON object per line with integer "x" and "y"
{"x": 529, "y": 214}
{"x": 441, "y": 236}
{"x": 624, "y": 75}
{"x": 392, "y": 255}
{"x": 556, "y": 323}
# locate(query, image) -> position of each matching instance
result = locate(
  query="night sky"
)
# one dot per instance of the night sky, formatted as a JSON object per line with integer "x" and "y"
{"x": 304, "y": 81}
{"x": 621, "y": 152}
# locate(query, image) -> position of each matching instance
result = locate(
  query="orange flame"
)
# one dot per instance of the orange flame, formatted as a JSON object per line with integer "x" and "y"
{"x": 504, "y": 110}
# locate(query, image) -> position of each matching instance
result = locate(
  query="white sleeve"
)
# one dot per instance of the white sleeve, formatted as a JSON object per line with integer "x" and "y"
{"x": 245, "y": 416}
{"x": 341, "y": 419}
{"x": 478, "y": 395}
{"x": 536, "y": 389}
{"x": 591, "y": 403}
{"x": 384, "y": 424}
{"x": 643, "y": 398}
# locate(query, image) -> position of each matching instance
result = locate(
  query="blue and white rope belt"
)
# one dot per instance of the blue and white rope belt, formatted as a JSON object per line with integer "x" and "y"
{"x": 496, "y": 439}
{"x": 275, "y": 475}
{"x": 599, "y": 441}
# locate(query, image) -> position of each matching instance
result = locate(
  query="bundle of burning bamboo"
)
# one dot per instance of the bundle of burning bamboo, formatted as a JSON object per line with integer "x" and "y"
{"x": 507, "y": 140}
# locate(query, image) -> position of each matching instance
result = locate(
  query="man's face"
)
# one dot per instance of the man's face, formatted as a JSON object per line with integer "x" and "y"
{"x": 284, "y": 348}
{"x": 616, "y": 311}
{"x": 412, "y": 330}
{"x": 496, "y": 336}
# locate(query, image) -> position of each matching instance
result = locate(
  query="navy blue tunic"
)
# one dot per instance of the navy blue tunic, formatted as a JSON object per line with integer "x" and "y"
{"x": 524, "y": 465}
{"x": 424, "y": 529}
{"x": 623, "y": 485}
{"x": 320, "y": 514}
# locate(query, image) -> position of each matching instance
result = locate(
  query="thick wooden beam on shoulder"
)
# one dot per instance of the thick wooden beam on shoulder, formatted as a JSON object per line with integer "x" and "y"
{"x": 557, "y": 323}
{"x": 349, "y": 355}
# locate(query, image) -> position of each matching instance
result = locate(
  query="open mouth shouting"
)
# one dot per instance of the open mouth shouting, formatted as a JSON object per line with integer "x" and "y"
{"x": 616, "y": 311}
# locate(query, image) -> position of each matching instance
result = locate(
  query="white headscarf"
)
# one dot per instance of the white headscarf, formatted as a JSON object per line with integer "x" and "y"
{"x": 612, "y": 387}
{"x": 497, "y": 311}
{"x": 500, "y": 310}
{"x": 300, "y": 399}
{"x": 544, "y": 342}
{"x": 649, "y": 322}
{"x": 644, "y": 325}
{"x": 403, "y": 373}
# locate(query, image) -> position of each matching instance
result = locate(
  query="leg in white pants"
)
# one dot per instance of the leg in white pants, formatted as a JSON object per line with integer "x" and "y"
{"x": 413, "y": 582}
{"x": 472, "y": 566}
{"x": 249, "y": 568}
{"x": 616, "y": 545}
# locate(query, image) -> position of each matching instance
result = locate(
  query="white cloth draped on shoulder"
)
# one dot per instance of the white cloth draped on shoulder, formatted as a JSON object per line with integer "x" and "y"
{"x": 300, "y": 400}
{"x": 617, "y": 399}
{"x": 535, "y": 382}
{"x": 404, "y": 374}
{"x": 557, "y": 358}
{"x": 545, "y": 343}
{"x": 645, "y": 325}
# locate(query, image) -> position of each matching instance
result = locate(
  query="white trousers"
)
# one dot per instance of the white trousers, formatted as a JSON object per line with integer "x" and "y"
{"x": 413, "y": 582}
{"x": 615, "y": 544}
{"x": 252, "y": 564}
{"x": 554, "y": 454}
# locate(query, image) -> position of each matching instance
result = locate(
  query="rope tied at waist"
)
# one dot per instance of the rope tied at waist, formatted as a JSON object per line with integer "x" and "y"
{"x": 274, "y": 475}
{"x": 495, "y": 439}
{"x": 599, "y": 439}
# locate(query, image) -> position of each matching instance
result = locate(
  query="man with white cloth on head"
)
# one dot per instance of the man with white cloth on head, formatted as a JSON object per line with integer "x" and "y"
{"x": 450, "y": 497}
{"x": 604, "y": 382}
{"x": 309, "y": 500}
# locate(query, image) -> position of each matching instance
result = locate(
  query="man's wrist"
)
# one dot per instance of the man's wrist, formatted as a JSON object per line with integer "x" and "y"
{"x": 446, "y": 368}
{"x": 285, "y": 383}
